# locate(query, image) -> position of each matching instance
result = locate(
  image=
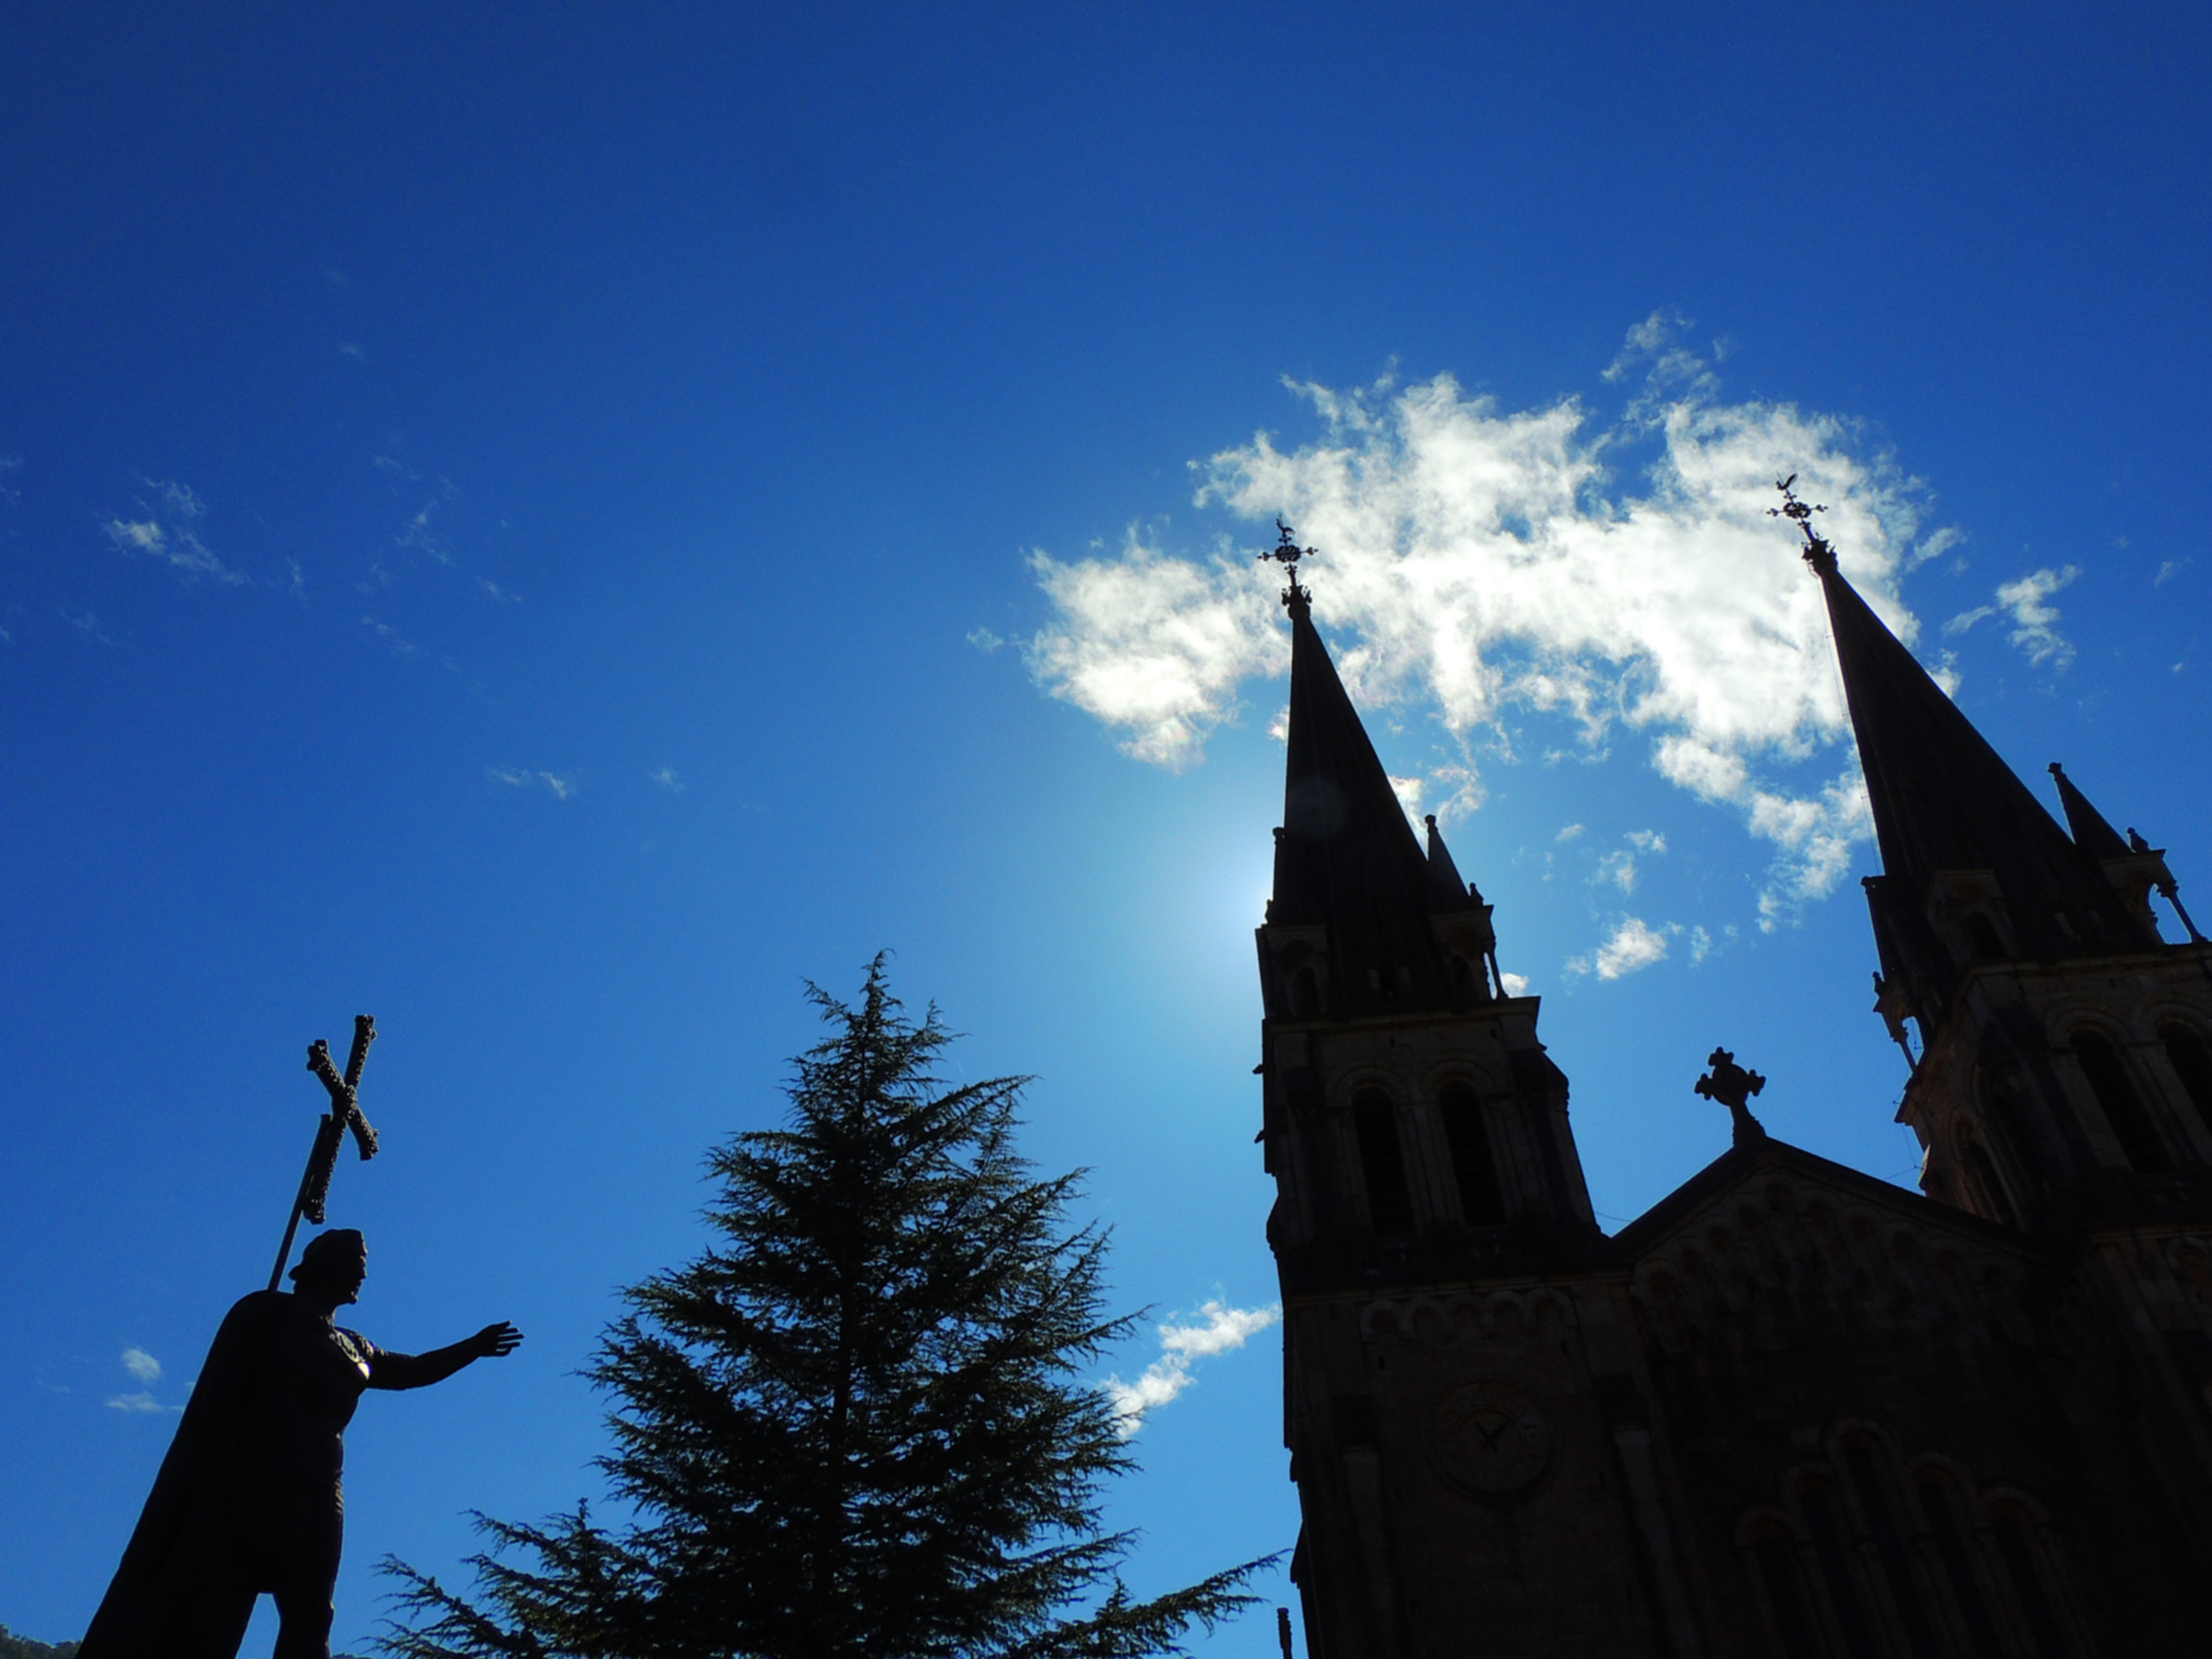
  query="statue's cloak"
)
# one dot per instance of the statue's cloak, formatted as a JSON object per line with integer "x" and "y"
{"x": 191, "y": 1540}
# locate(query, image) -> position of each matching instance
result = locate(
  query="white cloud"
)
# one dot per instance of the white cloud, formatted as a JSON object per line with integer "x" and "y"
{"x": 984, "y": 640}
{"x": 165, "y": 532}
{"x": 2169, "y": 570}
{"x": 1408, "y": 790}
{"x": 1516, "y": 985}
{"x": 517, "y": 777}
{"x": 666, "y": 778}
{"x": 1634, "y": 944}
{"x": 141, "y": 1365}
{"x": 1223, "y": 1329}
{"x": 1569, "y": 833}
{"x": 1966, "y": 619}
{"x": 401, "y": 647}
{"x": 1480, "y": 564}
{"x": 1618, "y": 868}
{"x": 138, "y": 1401}
{"x": 2032, "y": 619}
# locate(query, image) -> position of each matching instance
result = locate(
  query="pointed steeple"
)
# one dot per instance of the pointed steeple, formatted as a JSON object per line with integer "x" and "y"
{"x": 1346, "y": 859}
{"x": 2092, "y": 833}
{"x": 1973, "y": 866}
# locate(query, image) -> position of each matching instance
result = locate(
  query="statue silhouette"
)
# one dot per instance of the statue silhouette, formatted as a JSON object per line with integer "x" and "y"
{"x": 249, "y": 1498}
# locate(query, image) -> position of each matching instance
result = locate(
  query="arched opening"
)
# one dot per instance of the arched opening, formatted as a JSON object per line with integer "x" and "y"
{"x": 2123, "y": 1107}
{"x": 1959, "y": 1566}
{"x": 1890, "y": 1548}
{"x": 1775, "y": 1554}
{"x": 1996, "y": 1204}
{"x": 1305, "y": 993}
{"x": 1382, "y": 1162}
{"x": 1828, "y": 1549}
{"x": 1982, "y": 937}
{"x": 2033, "y": 1596}
{"x": 2193, "y": 1063}
{"x": 1480, "y": 1201}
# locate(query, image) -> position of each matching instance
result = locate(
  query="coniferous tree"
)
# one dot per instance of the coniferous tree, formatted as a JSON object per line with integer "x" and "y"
{"x": 857, "y": 1426}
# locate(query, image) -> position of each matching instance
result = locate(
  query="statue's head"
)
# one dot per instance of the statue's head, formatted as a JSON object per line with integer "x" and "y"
{"x": 333, "y": 1266}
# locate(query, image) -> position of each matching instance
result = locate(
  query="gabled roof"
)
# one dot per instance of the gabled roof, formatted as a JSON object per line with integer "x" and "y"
{"x": 1741, "y": 1163}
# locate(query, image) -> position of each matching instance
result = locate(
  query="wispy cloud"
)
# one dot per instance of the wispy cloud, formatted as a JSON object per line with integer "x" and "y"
{"x": 517, "y": 777}
{"x": 88, "y": 625}
{"x": 164, "y": 529}
{"x": 423, "y": 535}
{"x": 984, "y": 640}
{"x": 2034, "y": 620}
{"x": 1634, "y": 944}
{"x": 2169, "y": 570}
{"x": 666, "y": 778}
{"x": 1221, "y": 1329}
{"x": 1480, "y": 564}
{"x": 141, "y": 1365}
{"x": 401, "y": 646}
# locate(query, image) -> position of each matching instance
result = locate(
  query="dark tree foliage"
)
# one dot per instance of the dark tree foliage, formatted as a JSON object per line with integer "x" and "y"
{"x": 13, "y": 1646}
{"x": 860, "y": 1424}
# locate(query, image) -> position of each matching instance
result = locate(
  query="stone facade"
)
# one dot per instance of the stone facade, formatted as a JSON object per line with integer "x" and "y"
{"x": 1791, "y": 1411}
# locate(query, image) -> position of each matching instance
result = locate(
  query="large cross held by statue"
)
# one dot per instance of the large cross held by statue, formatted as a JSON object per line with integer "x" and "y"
{"x": 344, "y": 1115}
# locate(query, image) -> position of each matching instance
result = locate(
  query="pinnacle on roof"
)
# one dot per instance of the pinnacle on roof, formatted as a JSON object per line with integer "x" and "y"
{"x": 2092, "y": 833}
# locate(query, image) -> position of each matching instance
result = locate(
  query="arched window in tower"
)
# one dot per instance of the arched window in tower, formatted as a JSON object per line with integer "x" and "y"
{"x": 1890, "y": 1548}
{"x": 1982, "y": 937}
{"x": 1381, "y": 1163}
{"x": 1951, "y": 1546}
{"x": 1472, "y": 1165}
{"x": 1995, "y": 1205}
{"x": 2032, "y": 1595}
{"x": 2193, "y": 1063}
{"x": 2123, "y": 1107}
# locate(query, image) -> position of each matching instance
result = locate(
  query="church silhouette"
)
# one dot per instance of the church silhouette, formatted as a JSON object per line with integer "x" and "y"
{"x": 1792, "y": 1410}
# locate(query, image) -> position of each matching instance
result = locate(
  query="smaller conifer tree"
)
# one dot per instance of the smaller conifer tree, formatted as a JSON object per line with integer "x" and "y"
{"x": 857, "y": 1426}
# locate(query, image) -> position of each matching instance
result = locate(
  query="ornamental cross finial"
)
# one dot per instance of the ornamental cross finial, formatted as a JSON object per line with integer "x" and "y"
{"x": 1818, "y": 553}
{"x": 1731, "y": 1085}
{"x": 1286, "y": 552}
{"x": 344, "y": 1115}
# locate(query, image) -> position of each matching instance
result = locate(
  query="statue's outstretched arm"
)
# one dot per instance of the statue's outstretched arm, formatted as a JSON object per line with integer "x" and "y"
{"x": 419, "y": 1371}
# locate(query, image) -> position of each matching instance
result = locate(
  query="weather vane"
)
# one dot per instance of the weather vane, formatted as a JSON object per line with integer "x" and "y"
{"x": 1286, "y": 552}
{"x": 1818, "y": 553}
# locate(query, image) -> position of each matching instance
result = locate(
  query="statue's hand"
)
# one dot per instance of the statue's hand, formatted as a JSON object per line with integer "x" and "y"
{"x": 495, "y": 1341}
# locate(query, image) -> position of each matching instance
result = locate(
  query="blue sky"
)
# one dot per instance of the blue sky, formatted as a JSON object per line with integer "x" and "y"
{"x": 526, "y": 521}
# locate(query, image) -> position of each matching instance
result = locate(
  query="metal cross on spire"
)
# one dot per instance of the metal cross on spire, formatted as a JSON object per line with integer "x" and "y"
{"x": 1286, "y": 552}
{"x": 344, "y": 1115}
{"x": 1818, "y": 553}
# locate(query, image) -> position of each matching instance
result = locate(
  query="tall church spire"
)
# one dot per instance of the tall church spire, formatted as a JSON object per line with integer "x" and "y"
{"x": 1346, "y": 859}
{"x": 1973, "y": 866}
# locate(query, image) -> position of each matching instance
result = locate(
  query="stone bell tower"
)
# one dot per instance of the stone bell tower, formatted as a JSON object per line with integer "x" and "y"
{"x": 1418, "y": 1132}
{"x": 2064, "y": 1080}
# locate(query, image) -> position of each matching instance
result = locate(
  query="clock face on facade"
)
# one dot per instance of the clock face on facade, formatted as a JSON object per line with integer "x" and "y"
{"x": 1490, "y": 1439}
